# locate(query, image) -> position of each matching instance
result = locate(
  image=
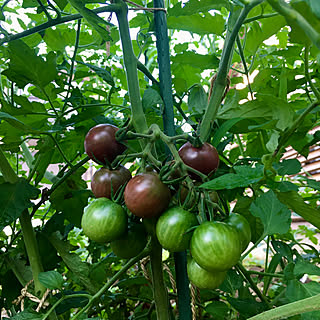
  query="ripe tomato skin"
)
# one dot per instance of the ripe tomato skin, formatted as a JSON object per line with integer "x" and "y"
{"x": 104, "y": 220}
{"x": 243, "y": 227}
{"x": 101, "y": 145}
{"x": 146, "y": 196}
{"x": 202, "y": 278}
{"x": 131, "y": 243}
{"x": 215, "y": 246}
{"x": 172, "y": 226}
{"x": 104, "y": 178}
{"x": 204, "y": 159}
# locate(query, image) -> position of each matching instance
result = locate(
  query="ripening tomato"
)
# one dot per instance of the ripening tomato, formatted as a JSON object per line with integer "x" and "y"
{"x": 202, "y": 278}
{"x": 104, "y": 180}
{"x": 215, "y": 246}
{"x": 104, "y": 220}
{"x": 205, "y": 159}
{"x": 172, "y": 227}
{"x": 101, "y": 145}
{"x": 146, "y": 196}
{"x": 243, "y": 227}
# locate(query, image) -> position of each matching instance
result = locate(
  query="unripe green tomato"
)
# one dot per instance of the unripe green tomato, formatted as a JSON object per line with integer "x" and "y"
{"x": 202, "y": 278}
{"x": 215, "y": 246}
{"x": 104, "y": 220}
{"x": 172, "y": 227}
{"x": 243, "y": 227}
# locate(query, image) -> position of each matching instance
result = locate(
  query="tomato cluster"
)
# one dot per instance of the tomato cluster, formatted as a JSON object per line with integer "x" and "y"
{"x": 215, "y": 246}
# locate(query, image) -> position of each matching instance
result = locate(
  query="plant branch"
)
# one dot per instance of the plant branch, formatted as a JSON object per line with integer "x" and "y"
{"x": 220, "y": 82}
{"x": 294, "y": 18}
{"x": 307, "y": 74}
{"x": 113, "y": 279}
{"x": 57, "y": 21}
{"x": 290, "y": 309}
{"x": 261, "y": 16}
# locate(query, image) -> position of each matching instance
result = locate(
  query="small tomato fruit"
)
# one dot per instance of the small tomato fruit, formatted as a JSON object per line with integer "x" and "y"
{"x": 215, "y": 246}
{"x": 101, "y": 145}
{"x": 104, "y": 220}
{"x": 205, "y": 159}
{"x": 146, "y": 196}
{"x": 172, "y": 227}
{"x": 202, "y": 278}
{"x": 105, "y": 180}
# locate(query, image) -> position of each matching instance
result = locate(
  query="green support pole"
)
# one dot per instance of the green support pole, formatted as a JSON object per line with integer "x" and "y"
{"x": 180, "y": 258}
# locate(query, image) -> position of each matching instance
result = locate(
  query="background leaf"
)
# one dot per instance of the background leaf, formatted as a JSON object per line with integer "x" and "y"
{"x": 51, "y": 279}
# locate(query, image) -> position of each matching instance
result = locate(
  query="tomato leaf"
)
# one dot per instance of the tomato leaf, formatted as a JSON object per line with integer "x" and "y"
{"x": 313, "y": 184}
{"x": 71, "y": 197}
{"x": 27, "y": 315}
{"x": 290, "y": 166}
{"x": 247, "y": 307}
{"x": 275, "y": 216}
{"x": 26, "y": 67}
{"x": 51, "y": 279}
{"x": 197, "y": 99}
{"x": 15, "y": 197}
{"x": 201, "y": 24}
{"x": 217, "y": 309}
{"x": 296, "y": 203}
{"x": 244, "y": 176}
{"x": 196, "y": 60}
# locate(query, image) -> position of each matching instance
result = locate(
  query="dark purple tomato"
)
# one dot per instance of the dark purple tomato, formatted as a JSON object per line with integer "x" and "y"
{"x": 172, "y": 227}
{"x": 101, "y": 145}
{"x": 131, "y": 243}
{"x": 215, "y": 246}
{"x": 202, "y": 278}
{"x": 146, "y": 196}
{"x": 243, "y": 227}
{"x": 104, "y": 220}
{"x": 104, "y": 180}
{"x": 204, "y": 159}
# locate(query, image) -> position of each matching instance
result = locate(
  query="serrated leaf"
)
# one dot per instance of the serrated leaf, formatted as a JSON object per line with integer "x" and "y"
{"x": 71, "y": 197}
{"x": 288, "y": 167}
{"x": 297, "y": 290}
{"x": 151, "y": 98}
{"x": 305, "y": 267}
{"x": 102, "y": 73}
{"x": 197, "y": 99}
{"x": 51, "y": 279}
{"x": 26, "y": 67}
{"x": 201, "y": 61}
{"x": 222, "y": 130}
{"x": 247, "y": 307}
{"x": 313, "y": 184}
{"x": 244, "y": 176}
{"x": 193, "y": 6}
{"x": 217, "y": 309}
{"x": 27, "y": 315}
{"x": 275, "y": 216}
{"x": 15, "y": 198}
{"x": 201, "y": 24}
{"x": 265, "y": 107}
{"x": 296, "y": 203}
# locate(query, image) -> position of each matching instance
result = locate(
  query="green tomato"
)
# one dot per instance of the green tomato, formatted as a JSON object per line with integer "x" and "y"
{"x": 215, "y": 246}
{"x": 131, "y": 243}
{"x": 242, "y": 225}
{"x": 172, "y": 227}
{"x": 202, "y": 278}
{"x": 104, "y": 220}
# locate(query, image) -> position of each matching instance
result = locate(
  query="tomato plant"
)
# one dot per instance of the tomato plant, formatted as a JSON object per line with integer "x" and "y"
{"x": 131, "y": 243}
{"x": 173, "y": 229}
{"x": 243, "y": 227}
{"x": 105, "y": 182}
{"x": 204, "y": 279}
{"x": 215, "y": 246}
{"x": 146, "y": 196}
{"x": 101, "y": 145}
{"x": 104, "y": 221}
{"x": 204, "y": 159}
